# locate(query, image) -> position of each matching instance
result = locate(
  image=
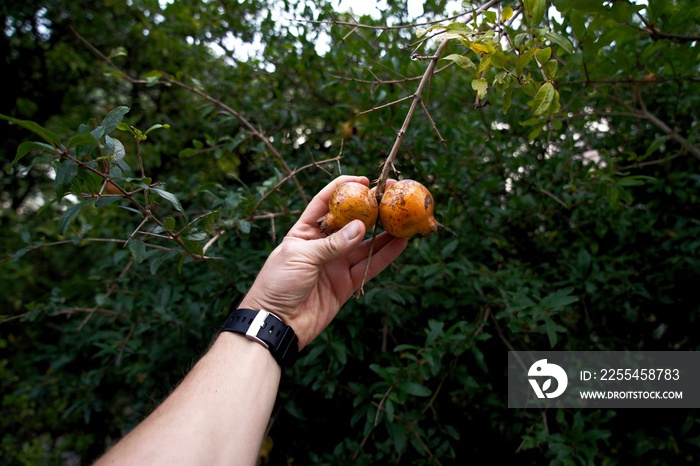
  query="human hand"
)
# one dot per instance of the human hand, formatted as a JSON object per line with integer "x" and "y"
{"x": 308, "y": 277}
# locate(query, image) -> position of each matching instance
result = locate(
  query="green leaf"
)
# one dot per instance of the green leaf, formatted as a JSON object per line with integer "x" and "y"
{"x": 68, "y": 216}
{"x": 550, "y": 69}
{"x": 535, "y": 132}
{"x": 543, "y": 55}
{"x": 507, "y": 99}
{"x": 160, "y": 259}
{"x": 27, "y": 147}
{"x": 138, "y": 250}
{"x": 656, "y": 145}
{"x": 461, "y": 61}
{"x": 106, "y": 200}
{"x": 405, "y": 347}
{"x": 113, "y": 118}
{"x": 559, "y": 299}
{"x": 65, "y": 173}
{"x": 523, "y": 60}
{"x": 82, "y": 140}
{"x": 484, "y": 65}
{"x": 170, "y": 197}
{"x": 435, "y": 329}
{"x": 193, "y": 247}
{"x": 460, "y": 28}
{"x": 543, "y": 99}
{"x": 397, "y": 432}
{"x": 560, "y": 40}
{"x": 115, "y": 149}
{"x": 169, "y": 223}
{"x": 155, "y": 127}
{"x": 449, "y": 248}
{"x": 551, "y": 329}
{"x": 118, "y": 52}
{"x": 44, "y": 133}
{"x": 489, "y": 16}
{"x": 500, "y": 59}
{"x": 634, "y": 180}
{"x": 531, "y": 122}
{"x": 534, "y": 11}
{"x": 243, "y": 226}
{"x": 414, "y": 388}
{"x": 613, "y": 196}
{"x": 481, "y": 87}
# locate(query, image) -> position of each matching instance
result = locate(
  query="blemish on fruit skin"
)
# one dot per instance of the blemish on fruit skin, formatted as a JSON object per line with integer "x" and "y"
{"x": 407, "y": 210}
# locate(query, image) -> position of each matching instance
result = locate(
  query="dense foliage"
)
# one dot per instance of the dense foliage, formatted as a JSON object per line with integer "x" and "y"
{"x": 152, "y": 161}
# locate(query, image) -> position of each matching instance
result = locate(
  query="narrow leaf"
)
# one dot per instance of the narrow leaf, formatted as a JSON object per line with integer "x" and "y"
{"x": 543, "y": 99}
{"x": 65, "y": 173}
{"x": 635, "y": 180}
{"x": 560, "y": 40}
{"x": 138, "y": 250}
{"x": 69, "y": 215}
{"x": 523, "y": 60}
{"x": 157, "y": 126}
{"x": 27, "y": 147}
{"x": 106, "y": 200}
{"x": 414, "y": 388}
{"x": 507, "y": 99}
{"x": 159, "y": 260}
{"x": 656, "y": 145}
{"x": 170, "y": 197}
{"x": 44, "y": 133}
{"x": 551, "y": 329}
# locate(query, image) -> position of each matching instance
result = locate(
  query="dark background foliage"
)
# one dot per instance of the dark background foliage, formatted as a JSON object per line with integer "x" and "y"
{"x": 569, "y": 230}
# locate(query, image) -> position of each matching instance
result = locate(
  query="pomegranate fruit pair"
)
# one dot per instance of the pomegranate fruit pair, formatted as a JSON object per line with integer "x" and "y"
{"x": 405, "y": 210}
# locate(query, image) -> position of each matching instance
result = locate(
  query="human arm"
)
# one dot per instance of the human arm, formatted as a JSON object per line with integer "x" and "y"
{"x": 219, "y": 413}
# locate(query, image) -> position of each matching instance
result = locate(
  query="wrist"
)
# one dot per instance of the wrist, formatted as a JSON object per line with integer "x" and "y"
{"x": 268, "y": 330}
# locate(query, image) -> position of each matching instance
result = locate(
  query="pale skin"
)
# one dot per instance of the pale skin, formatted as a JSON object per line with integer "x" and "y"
{"x": 220, "y": 411}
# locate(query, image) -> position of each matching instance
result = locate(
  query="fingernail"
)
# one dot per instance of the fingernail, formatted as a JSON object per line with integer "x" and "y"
{"x": 352, "y": 230}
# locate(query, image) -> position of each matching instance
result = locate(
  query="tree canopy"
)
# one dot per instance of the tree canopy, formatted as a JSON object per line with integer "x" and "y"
{"x": 155, "y": 152}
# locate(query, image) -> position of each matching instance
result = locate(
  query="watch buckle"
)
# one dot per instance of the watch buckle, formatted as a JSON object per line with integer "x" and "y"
{"x": 256, "y": 326}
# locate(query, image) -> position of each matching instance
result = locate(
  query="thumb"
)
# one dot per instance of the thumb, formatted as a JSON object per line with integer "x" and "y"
{"x": 339, "y": 244}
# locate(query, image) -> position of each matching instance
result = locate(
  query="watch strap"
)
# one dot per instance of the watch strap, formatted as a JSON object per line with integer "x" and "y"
{"x": 267, "y": 329}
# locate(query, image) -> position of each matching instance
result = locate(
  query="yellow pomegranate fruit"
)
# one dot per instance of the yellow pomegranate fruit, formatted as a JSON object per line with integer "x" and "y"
{"x": 406, "y": 209}
{"x": 349, "y": 201}
{"x": 111, "y": 188}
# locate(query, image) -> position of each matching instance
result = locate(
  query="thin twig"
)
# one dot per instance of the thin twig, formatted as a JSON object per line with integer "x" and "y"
{"x": 388, "y": 163}
{"x": 292, "y": 174}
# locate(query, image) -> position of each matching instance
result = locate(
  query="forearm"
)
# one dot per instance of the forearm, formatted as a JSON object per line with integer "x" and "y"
{"x": 217, "y": 415}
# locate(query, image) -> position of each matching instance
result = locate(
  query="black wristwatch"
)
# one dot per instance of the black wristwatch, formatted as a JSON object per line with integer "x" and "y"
{"x": 267, "y": 329}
